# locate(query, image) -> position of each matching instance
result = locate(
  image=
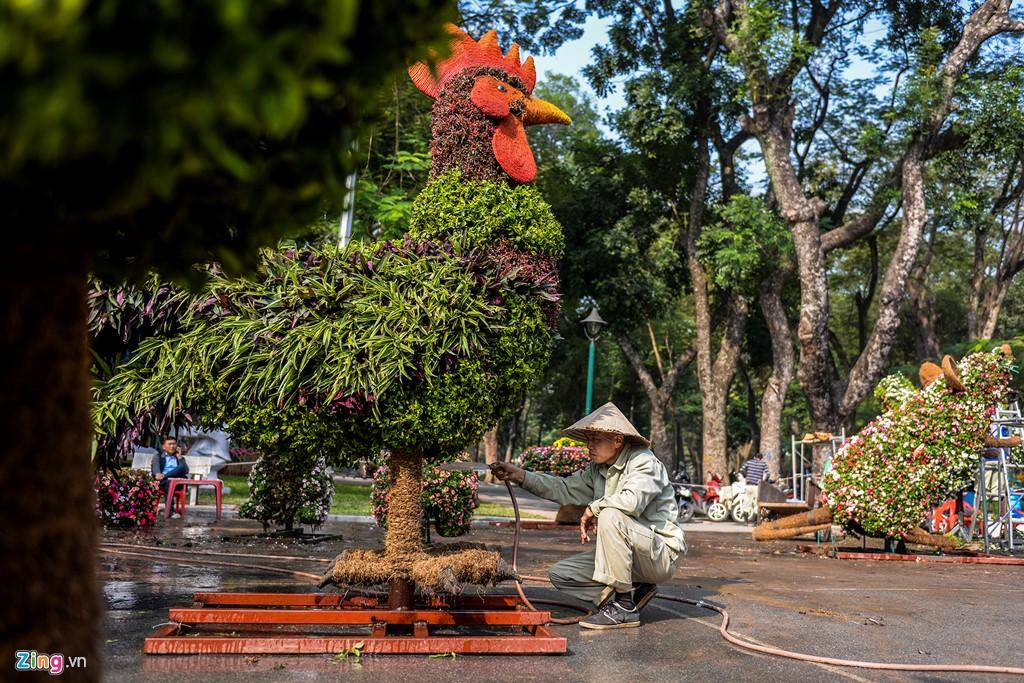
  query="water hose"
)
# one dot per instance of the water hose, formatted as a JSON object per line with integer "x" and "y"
{"x": 515, "y": 561}
{"x": 190, "y": 551}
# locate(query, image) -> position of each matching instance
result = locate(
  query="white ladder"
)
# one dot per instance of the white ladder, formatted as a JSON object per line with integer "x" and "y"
{"x": 1007, "y": 421}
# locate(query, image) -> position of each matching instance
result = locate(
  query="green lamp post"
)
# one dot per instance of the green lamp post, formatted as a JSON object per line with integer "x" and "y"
{"x": 592, "y": 325}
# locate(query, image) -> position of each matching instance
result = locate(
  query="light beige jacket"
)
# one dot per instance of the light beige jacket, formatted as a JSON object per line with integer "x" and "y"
{"x": 636, "y": 483}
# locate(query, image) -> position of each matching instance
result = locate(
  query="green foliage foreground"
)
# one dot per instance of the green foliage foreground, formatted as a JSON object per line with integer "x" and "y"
{"x": 164, "y": 134}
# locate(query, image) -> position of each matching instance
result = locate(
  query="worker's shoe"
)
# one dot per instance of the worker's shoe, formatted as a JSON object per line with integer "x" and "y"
{"x": 612, "y": 615}
{"x": 643, "y": 593}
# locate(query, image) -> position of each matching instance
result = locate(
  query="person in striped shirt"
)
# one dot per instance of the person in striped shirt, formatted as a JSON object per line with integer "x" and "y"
{"x": 755, "y": 469}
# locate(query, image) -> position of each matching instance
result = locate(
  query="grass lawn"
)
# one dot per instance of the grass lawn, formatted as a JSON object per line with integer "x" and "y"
{"x": 349, "y": 499}
{"x": 494, "y": 510}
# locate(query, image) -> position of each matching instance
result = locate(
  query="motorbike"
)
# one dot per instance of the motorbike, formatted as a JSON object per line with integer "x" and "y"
{"x": 738, "y": 501}
{"x": 694, "y": 498}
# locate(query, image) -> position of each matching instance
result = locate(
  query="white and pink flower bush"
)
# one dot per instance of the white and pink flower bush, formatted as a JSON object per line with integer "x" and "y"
{"x": 285, "y": 489}
{"x": 919, "y": 452}
{"x": 449, "y": 498}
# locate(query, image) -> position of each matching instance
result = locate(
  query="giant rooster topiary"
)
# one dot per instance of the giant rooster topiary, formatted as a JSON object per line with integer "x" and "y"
{"x": 923, "y": 448}
{"x": 415, "y": 346}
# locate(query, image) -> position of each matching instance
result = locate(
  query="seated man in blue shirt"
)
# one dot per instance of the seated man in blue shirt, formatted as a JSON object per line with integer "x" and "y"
{"x": 169, "y": 464}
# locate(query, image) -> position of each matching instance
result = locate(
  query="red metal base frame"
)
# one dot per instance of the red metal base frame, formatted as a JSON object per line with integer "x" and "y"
{"x": 320, "y": 623}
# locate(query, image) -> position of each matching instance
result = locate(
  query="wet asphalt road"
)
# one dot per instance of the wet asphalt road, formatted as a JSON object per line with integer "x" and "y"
{"x": 897, "y": 612}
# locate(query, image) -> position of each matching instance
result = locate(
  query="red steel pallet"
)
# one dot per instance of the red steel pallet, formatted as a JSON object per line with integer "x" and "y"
{"x": 320, "y": 623}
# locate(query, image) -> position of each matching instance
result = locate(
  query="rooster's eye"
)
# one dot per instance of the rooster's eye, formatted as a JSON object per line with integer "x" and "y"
{"x": 501, "y": 88}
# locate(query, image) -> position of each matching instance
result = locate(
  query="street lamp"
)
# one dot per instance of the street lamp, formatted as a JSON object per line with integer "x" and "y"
{"x": 592, "y": 325}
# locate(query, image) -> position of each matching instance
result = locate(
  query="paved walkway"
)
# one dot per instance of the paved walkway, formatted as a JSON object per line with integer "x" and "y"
{"x": 892, "y": 611}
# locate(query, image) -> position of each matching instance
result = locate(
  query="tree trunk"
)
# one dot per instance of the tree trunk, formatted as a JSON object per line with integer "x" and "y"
{"x": 816, "y": 371}
{"x": 863, "y": 300}
{"x": 48, "y": 528}
{"x": 491, "y": 451}
{"x": 977, "y": 280}
{"x": 874, "y": 360}
{"x": 713, "y": 434}
{"x": 927, "y": 341}
{"x": 1011, "y": 263}
{"x": 992, "y": 304}
{"x": 714, "y": 372}
{"x": 752, "y": 423}
{"x": 660, "y": 442}
{"x": 659, "y": 397}
{"x": 773, "y": 401}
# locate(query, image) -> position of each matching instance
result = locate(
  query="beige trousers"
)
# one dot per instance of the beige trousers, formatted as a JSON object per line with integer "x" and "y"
{"x": 626, "y": 552}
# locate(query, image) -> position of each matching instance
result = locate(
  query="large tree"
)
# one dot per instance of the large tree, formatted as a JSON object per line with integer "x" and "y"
{"x": 137, "y": 135}
{"x": 774, "y": 47}
{"x": 682, "y": 123}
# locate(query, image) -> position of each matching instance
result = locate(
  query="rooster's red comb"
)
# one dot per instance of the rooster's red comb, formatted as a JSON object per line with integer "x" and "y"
{"x": 468, "y": 53}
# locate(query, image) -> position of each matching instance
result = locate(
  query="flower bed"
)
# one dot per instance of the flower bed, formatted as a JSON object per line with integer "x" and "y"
{"x": 448, "y": 498}
{"x": 562, "y": 458}
{"x": 126, "y": 498}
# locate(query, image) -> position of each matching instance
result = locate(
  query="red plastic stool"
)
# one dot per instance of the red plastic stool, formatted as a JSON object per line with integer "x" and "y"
{"x": 177, "y": 486}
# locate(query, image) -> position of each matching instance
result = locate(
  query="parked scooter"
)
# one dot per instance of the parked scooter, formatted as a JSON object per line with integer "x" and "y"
{"x": 694, "y": 498}
{"x": 738, "y": 501}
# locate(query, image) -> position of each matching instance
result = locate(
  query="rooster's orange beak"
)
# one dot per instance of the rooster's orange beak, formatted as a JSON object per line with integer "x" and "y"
{"x": 539, "y": 111}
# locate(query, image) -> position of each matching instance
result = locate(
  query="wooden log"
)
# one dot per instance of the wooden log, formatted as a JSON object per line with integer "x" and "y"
{"x": 814, "y": 517}
{"x": 762, "y": 534}
{"x": 922, "y": 537}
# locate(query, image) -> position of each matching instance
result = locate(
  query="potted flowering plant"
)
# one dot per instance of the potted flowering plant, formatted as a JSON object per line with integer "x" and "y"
{"x": 448, "y": 498}
{"x": 126, "y": 498}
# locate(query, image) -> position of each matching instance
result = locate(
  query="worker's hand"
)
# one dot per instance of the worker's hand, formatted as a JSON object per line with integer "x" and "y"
{"x": 159, "y": 477}
{"x": 505, "y": 471}
{"x": 588, "y": 524}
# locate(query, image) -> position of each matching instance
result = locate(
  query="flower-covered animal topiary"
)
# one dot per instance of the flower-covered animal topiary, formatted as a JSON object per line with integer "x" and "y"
{"x": 923, "y": 448}
{"x": 417, "y": 346}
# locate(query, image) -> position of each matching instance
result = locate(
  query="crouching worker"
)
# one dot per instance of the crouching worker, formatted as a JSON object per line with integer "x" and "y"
{"x": 631, "y": 512}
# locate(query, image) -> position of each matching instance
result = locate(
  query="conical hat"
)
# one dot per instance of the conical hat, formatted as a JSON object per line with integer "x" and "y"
{"x": 607, "y": 419}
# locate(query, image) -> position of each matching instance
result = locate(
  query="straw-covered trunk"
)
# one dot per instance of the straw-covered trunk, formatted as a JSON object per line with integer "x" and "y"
{"x": 405, "y": 562}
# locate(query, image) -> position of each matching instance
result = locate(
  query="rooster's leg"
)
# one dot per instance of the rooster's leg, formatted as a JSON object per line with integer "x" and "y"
{"x": 403, "y": 542}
